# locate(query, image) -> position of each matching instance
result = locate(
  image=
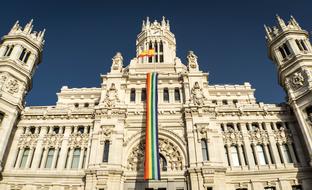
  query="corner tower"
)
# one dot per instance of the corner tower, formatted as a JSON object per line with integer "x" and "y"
{"x": 20, "y": 53}
{"x": 290, "y": 49}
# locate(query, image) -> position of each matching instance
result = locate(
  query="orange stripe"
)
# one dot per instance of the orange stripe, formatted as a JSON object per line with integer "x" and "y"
{"x": 147, "y": 153}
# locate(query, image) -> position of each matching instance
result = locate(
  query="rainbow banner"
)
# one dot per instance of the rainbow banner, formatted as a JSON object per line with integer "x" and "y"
{"x": 151, "y": 167}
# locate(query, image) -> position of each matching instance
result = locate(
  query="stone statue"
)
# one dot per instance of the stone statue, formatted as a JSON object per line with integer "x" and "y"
{"x": 197, "y": 95}
{"x": 111, "y": 96}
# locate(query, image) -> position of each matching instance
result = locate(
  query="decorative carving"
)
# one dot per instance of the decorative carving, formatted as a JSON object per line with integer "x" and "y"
{"x": 117, "y": 61}
{"x": 197, "y": 95}
{"x": 297, "y": 80}
{"x": 111, "y": 96}
{"x": 258, "y": 136}
{"x": 105, "y": 132}
{"x": 282, "y": 135}
{"x": 192, "y": 60}
{"x": 28, "y": 140}
{"x": 78, "y": 139}
{"x": 12, "y": 86}
{"x": 170, "y": 152}
{"x": 3, "y": 78}
{"x": 53, "y": 140}
{"x": 232, "y": 137}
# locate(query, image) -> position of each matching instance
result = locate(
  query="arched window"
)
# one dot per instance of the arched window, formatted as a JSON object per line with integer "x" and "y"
{"x": 261, "y": 155}
{"x": 106, "y": 151}
{"x": 287, "y": 51}
{"x": 132, "y": 95}
{"x": 286, "y": 153}
{"x": 24, "y": 158}
{"x": 177, "y": 96}
{"x": 166, "y": 95}
{"x": 299, "y": 45}
{"x": 156, "y": 51}
{"x": 204, "y": 147}
{"x": 303, "y": 45}
{"x": 22, "y": 54}
{"x": 282, "y": 52}
{"x": 234, "y": 156}
{"x": 162, "y": 162}
{"x": 49, "y": 158}
{"x": 230, "y": 126}
{"x": 76, "y": 157}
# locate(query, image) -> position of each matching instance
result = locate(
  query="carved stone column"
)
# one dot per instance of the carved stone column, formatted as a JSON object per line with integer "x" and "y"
{"x": 64, "y": 148}
{"x": 267, "y": 154}
{"x": 70, "y": 158}
{"x": 241, "y": 155}
{"x": 19, "y": 158}
{"x": 44, "y": 157}
{"x": 55, "y": 156}
{"x": 248, "y": 150}
{"x": 39, "y": 148}
{"x": 81, "y": 157}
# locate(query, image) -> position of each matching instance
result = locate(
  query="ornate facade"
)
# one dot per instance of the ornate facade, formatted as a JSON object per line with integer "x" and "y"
{"x": 211, "y": 137}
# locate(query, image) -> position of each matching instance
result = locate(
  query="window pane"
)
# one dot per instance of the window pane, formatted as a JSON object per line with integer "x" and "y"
{"x": 261, "y": 155}
{"x": 166, "y": 95}
{"x": 49, "y": 158}
{"x": 227, "y": 155}
{"x": 234, "y": 156}
{"x": 204, "y": 150}
{"x": 286, "y": 153}
{"x": 177, "y": 94}
{"x": 143, "y": 94}
{"x": 76, "y": 157}
{"x": 106, "y": 151}
{"x": 162, "y": 162}
{"x": 24, "y": 158}
{"x": 132, "y": 95}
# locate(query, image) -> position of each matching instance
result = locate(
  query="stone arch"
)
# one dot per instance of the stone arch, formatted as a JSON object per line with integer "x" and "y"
{"x": 173, "y": 152}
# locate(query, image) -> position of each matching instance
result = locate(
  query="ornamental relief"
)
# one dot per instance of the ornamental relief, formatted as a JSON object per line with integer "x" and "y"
{"x": 197, "y": 95}
{"x": 105, "y": 132}
{"x": 202, "y": 131}
{"x": 78, "y": 139}
{"x": 192, "y": 60}
{"x": 53, "y": 140}
{"x": 171, "y": 153}
{"x": 3, "y": 78}
{"x": 258, "y": 136}
{"x": 28, "y": 140}
{"x": 111, "y": 97}
{"x": 297, "y": 80}
{"x": 232, "y": 137}
{"x": 282, "y": 135}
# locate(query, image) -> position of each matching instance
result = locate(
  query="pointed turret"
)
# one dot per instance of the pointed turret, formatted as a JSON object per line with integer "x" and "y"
{"x": 28, "y": 27}
{"x": 280, "y": 22}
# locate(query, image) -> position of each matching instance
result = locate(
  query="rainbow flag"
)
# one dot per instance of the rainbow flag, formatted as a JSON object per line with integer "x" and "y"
{"x": 151, "y": 167}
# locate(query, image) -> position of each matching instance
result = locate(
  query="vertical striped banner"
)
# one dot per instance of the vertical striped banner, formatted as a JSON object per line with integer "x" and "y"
{"x": 151, "y": 166}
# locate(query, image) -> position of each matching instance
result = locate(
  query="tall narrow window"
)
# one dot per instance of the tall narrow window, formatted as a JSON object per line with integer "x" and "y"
{"x": 24, "y": 158}
{"x": 150, "y": 58}
{"x": 156, "y": 51}
{"x": 9, "y": 51}
{"x": 244, "y": 154}
{"x": 6, "y": 50}
{"x": 1, "y": 117}
{"x": 271, "y": 154}
{"x": 143, "y": 94}
{"x": 166, "y": 95}
{"x": 177, "y": 96}
{"x": 234, "y": 156}
{"x": 132, "y": 95}
{"x": 254, "y": 154}
{"x": 303, "y": 45}
{"x": 22, "y": 54}
{"x": 286, "y": 153}
{"x": 161, "y": 52}
{"x": 287, "y": 51}
{"x": 84, "y": 157}
{"x": 261, "y": 155}
{"x": 49, "y": 158}
{"x": 57, "y": 157}
{"x": 227, "y": 155}
{"x": 76, "y": 157}
{"x": 204, "y": 147}
{"x": 26, "y": 57}
{"x": 295, "y": 151}
{"x": 162, "y": 162}
{"x": 299, "y": 45}
{"x": 106, "y": 151}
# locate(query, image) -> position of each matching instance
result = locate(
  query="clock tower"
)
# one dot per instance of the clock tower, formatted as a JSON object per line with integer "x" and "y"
{"x": 156, "y": 35}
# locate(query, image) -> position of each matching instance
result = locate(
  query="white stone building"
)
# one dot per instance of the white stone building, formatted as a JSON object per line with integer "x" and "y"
{"x": 211, "y": 137}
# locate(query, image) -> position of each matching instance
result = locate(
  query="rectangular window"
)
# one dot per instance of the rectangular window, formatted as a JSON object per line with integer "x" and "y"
{"x": 286, "y": 153}
{"x": 49, "y": 158}
{"x": 143, "y": 94}
{"x": 76, "y": 157}
{"x": 166, "y": 95}
{"x": 177, "y": 96}
{"x": 106, "y": 151}
{"x": 261, "y": 155}
{"x": 132, "y": 95}
{"x": 24, "y": 158}
{"x": 204, "y": 147}
{"x": 234, "y": 156}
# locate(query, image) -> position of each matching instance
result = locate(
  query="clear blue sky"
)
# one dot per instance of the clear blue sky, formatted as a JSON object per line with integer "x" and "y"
{"x": 83, "y": 36}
